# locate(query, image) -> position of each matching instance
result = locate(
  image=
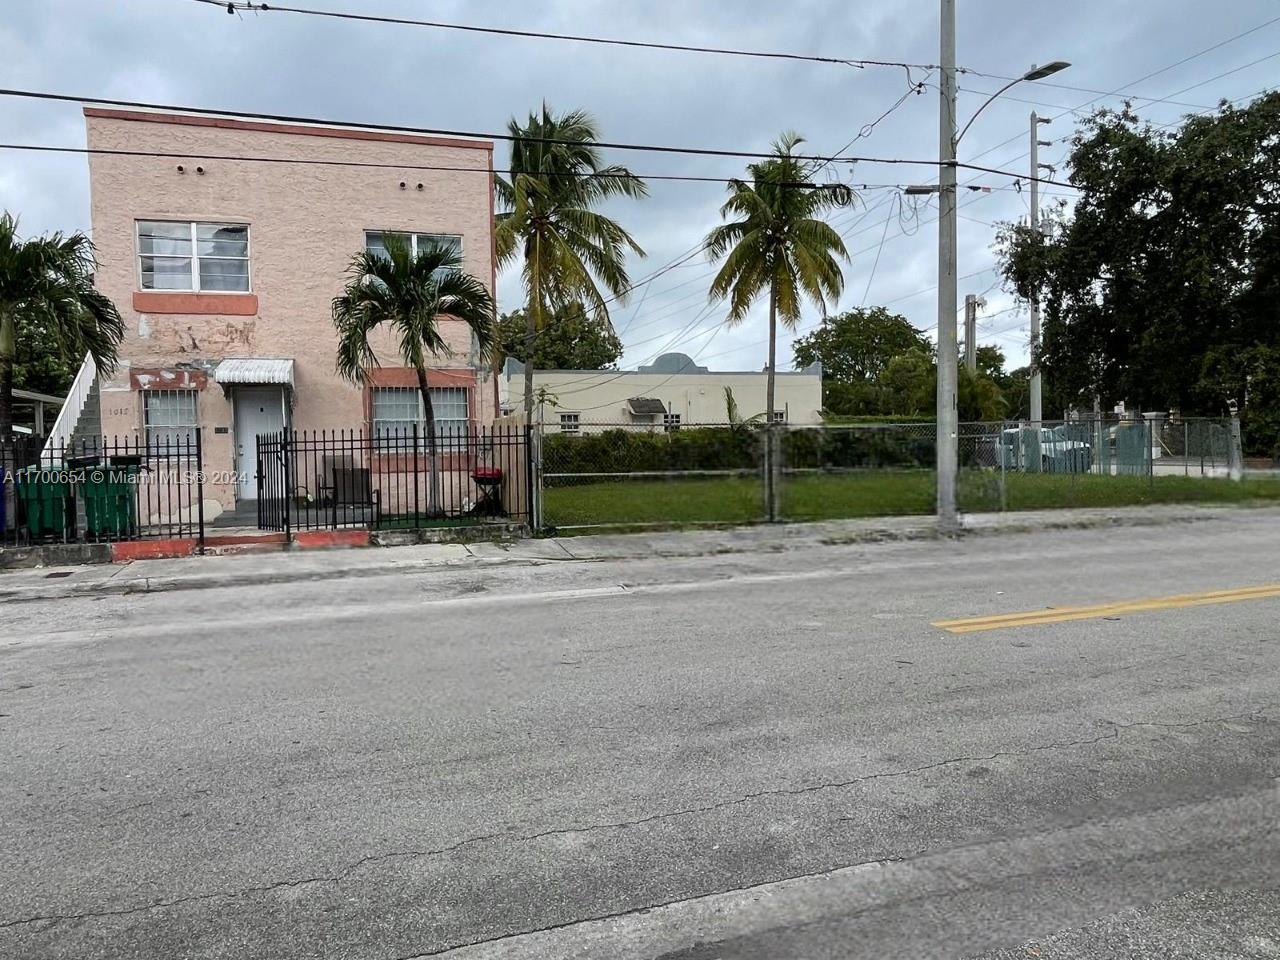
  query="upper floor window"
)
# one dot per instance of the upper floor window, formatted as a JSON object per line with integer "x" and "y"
{"x": 184, "y": 255}
{"x": 375, "y": 242}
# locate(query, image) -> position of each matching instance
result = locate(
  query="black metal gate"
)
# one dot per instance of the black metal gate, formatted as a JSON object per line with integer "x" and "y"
{"x": 333, "y": 479}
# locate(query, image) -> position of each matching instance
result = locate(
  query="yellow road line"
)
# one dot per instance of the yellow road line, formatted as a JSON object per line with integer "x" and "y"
{"x": 1064, "y": 614}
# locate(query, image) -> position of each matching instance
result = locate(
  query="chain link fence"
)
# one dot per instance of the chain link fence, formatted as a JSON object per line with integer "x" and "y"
{"x": 645, "y": 475}
{"x": 638, "y": 475}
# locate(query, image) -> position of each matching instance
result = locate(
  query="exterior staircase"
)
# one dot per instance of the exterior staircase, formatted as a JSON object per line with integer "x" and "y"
{"x": 80, "y": 419}
{"x": 86, "y": 436}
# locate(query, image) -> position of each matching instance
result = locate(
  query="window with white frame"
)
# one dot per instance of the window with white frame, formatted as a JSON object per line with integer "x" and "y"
{"x": 186, "y": 255}
{"x": 170, "y": 418}
{"x": 779, "y": 416}
{"x": 570, "y": 422}
{"x": 398, "y": 410}
{"x": 375, "y": 242}
{"x": 671, "y": 421}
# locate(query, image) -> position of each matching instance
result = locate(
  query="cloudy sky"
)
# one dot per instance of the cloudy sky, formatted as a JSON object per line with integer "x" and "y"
{"x": 183, "y": 52}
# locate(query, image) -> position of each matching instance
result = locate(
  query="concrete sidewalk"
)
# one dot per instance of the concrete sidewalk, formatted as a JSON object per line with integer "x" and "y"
{"x": 202, "y": 573}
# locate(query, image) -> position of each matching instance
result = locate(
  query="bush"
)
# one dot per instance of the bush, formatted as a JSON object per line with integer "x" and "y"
{"x": 737, "y": 448}
{"x": 626, "y": 451}
{"x": 853, "y": 448}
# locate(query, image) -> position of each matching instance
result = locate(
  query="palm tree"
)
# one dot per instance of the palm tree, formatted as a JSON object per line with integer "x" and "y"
{"x": 780, "y": 244}
{"x": 410, "y": 295}
{"x": 569, "y": 251}
{"x": 49, "y": 280}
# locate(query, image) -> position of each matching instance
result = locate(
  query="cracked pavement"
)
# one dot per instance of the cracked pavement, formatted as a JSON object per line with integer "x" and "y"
{"x": 750, "y": 756}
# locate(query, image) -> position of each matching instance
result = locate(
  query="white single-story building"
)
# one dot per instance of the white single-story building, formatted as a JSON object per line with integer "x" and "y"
{"x": 671, "y": 392}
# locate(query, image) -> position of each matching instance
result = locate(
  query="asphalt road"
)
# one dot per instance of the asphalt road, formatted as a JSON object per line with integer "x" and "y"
{"x": 753, "y": 757}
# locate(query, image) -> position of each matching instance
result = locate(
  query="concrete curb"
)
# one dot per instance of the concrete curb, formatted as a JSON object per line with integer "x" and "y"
{"x": 132, "y": 578}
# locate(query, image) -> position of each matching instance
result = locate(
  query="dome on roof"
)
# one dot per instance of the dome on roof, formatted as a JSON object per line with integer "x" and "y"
{"x": 673, "y": 363}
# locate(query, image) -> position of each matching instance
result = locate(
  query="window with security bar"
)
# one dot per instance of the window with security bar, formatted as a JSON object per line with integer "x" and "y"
{"x": 170, "y": 418}
{"x": 396, "y": 410}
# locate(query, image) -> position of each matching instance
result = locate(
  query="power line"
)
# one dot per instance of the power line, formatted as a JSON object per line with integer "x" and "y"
{"x": 868, "y": 128}
{"x": 1227, "y": 73}
{"x": 251, "y": 7}
{"x": 1057, "y": 106}
{"x": 509, "y": 137}
{"x": 1154, "y": 73}
{"x": 486, "y": 170}
{"x": 683, "y": 260}
{"x": 879, "y": 249}
{"x": 663, "y": 314}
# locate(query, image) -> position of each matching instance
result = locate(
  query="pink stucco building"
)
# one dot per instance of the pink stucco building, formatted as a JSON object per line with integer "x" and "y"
{"x": 223, "y": 241}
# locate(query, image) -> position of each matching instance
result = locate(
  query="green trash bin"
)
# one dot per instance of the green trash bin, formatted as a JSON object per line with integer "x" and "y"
{"x": 107, "y": 492}
{"x": 44, "y": 496}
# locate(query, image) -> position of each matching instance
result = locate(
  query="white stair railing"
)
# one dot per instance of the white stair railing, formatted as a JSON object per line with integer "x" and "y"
{"x": 64, "y": 426}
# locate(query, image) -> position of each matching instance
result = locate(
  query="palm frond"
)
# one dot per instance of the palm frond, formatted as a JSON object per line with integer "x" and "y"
{"x": 409, "y": 295}
{"x": 51, "y": 278}
{"x": 557, "y": 179}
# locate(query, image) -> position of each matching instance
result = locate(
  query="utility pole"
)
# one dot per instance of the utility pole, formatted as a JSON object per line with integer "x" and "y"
{"x": 947, "y": 443}
{"x": 1036, "y": 144}
{"x": 971, "y": 333}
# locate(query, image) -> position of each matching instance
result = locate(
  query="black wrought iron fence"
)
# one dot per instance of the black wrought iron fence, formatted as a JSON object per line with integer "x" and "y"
{"x": 332, "y": 479}
{"x": 101, "y": 489}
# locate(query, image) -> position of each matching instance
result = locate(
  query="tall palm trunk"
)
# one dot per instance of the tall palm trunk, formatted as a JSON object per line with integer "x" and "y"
{"x": 531, "y": 324}
{"x": 8, "y": 349}
{"x": 428, "y": 411}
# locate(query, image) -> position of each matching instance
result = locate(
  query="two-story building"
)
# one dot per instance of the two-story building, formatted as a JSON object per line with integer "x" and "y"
{"x": 223, "y": 242}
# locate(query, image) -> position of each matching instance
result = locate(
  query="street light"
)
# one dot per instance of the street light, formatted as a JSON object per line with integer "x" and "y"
{"x": 1035, "y": 73}
{"x": 947, "y": 444}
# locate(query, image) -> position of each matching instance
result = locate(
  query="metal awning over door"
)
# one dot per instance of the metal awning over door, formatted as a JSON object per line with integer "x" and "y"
{"x": 255, "y": 370}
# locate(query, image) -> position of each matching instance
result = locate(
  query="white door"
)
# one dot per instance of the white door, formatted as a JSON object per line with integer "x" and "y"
{"x": 257, "y": 410}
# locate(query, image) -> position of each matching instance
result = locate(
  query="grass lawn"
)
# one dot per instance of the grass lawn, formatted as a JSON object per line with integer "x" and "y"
{"x": 738, "y": 500}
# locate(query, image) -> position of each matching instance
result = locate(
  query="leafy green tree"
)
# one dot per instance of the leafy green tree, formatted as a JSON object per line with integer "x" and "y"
{"x": 858, "y": 344}
{"x": 572, "y": 339}
{"x": 35, "y": 365}
{"x": 47, "y": 292}
{"x": 991, "y": 363}
{"x": 854, "y": 348}
{"x": 908, "y": 384}
{"x": 779, "y": 244}
{"x": 978, "y": 398}
{"x": 568, "y": 251}
{"x": 1159, "y": 285}
{"x": 908, "y": 387}
{"x": 410, "y": 295}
